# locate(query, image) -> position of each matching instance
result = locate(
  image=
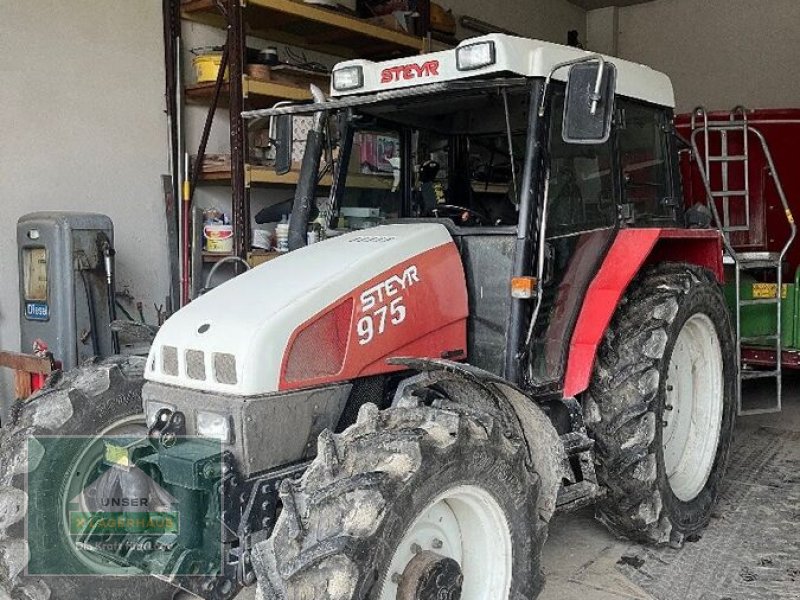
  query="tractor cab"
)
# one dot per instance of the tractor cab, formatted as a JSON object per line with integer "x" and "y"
{"x": 533, "y": 155}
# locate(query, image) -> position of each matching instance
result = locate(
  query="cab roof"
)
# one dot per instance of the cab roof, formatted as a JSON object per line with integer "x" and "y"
{"x": 513, "y": 55}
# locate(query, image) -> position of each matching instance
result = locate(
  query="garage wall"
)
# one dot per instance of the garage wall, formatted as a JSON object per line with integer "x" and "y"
{"x": 541, "y": 19}
{"x": 719, "y": 53}
{"x": 82, "y": 127}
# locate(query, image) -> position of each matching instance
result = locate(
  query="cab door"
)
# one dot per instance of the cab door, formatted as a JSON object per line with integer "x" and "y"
{"x": 582, "y": 200}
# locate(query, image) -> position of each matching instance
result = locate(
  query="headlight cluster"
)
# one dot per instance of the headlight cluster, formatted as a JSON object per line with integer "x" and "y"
{"x": 209, "y": 424}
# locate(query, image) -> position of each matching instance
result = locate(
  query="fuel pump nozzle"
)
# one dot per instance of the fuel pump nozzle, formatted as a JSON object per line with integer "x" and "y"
{"x": 108, "y": 263}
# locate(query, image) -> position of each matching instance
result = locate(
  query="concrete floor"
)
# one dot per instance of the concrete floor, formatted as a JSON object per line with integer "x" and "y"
{"x": 582, "y": 559}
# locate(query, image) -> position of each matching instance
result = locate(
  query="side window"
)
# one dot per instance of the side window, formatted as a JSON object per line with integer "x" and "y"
{"x": 581, "y": 185}
{"x": 644, "y": 148}
{"x": 373, "y": 190}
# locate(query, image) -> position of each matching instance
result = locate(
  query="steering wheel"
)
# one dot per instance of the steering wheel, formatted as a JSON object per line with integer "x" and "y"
{"x": 461, "y": 215}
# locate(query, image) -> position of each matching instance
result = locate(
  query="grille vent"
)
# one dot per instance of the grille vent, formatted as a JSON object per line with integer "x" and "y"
{"x": 225, "y": 368}
{"x": 169, "y": 360}
{"x": 196, "y": 365}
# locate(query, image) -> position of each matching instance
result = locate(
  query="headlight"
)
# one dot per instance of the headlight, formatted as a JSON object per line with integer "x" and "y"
{"x": 213, "y": 425}
{"x": 475, "y": 56}
{"x": 348, "y": 78}
{"x": 151, "y": 410}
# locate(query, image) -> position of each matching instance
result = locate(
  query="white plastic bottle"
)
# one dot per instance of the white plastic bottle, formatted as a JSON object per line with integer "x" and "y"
{"x": 282, "y": 235}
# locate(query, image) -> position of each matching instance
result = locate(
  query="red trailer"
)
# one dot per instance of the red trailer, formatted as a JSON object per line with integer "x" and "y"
{"x": 747, "y": 162}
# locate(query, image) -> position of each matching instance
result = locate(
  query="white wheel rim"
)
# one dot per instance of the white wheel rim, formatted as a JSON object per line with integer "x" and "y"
{"x": 467, "y": 525}
{"x": 693, "y": 407}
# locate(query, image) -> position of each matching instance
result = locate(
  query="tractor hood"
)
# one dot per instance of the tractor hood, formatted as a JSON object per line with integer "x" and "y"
{"x": 233, "y": 340}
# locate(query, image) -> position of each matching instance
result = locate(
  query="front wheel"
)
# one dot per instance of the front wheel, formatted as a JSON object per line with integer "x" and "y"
{"x": 413, "y": 502}
{"x": 49, "y": 451}
{"x": 661, "y": 405}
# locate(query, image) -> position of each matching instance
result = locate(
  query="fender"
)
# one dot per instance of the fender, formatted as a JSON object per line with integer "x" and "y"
{"x": 632, "y": 250}
{"x": 544, "y": 445}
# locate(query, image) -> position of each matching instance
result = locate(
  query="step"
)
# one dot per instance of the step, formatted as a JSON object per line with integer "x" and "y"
{"x": 759, "y": 374}
{"x": 731, "y": 158}
{"x": 759, "y": 302}
{"x": 758, "y": 260}
{"x": 759, "y": 338}
{"x": 730, "y": 194}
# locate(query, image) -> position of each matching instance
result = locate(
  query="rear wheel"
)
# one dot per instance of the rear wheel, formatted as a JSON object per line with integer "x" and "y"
{"x": 412, "y": 502}
{"x": 661, "y": 405}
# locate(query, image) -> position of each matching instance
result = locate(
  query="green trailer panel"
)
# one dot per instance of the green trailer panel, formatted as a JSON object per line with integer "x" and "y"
{"x": 762, "y": 320}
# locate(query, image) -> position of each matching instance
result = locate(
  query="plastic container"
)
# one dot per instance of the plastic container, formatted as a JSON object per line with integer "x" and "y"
{"x": 262, "y": 239}
{"x": 206, "y": 67}
{"x": 219, "y": 238}
{"x": 282, "y": 235}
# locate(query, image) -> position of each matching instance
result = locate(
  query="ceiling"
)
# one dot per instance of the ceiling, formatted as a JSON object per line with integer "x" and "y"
{"x": 592, "y": 4}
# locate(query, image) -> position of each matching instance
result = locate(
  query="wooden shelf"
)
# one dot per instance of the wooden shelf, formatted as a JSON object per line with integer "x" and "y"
{"x": 258, "y": 93}
{"x": 311, "y": 27}
{"x": 213, "y": 257}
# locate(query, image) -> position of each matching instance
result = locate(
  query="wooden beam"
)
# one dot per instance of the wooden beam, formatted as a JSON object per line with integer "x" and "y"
{"x": 27, "y": 363}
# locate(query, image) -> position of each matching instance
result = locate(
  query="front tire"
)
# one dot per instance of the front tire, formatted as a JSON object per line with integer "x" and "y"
{"x": 661, "y": 405}
{"x": 88, "y": 401}
{"x": 411, "y": 488}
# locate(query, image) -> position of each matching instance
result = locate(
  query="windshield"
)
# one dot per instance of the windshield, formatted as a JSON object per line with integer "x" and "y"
{"x": 455, "y": 155}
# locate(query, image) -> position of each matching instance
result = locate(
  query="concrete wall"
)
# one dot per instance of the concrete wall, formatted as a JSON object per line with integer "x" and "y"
{"x": 602, "y": 30}
{"x": 83, "y": 128}
{"x": 719, "y": 53}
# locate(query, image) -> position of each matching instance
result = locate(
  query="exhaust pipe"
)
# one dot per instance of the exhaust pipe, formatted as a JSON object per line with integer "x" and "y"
{"x": 306, "y": 190}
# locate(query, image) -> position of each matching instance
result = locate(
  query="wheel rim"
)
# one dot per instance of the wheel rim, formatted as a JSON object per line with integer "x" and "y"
{"x": 467, "y": 525}
{"x": 77, "y": 479}
{"x": 693, "y": 407}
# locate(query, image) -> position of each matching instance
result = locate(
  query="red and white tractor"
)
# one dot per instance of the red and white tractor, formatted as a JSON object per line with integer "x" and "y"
{"x": 509, "y": 317}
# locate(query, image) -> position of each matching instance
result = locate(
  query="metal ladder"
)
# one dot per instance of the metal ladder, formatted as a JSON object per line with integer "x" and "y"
{"x": 737, "y": 124}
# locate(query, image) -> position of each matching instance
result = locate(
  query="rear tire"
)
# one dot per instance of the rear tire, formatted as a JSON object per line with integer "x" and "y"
{"x": 661, "y": 405}
{"x": 83, "y": 402}
{"x": 408, "y": 475}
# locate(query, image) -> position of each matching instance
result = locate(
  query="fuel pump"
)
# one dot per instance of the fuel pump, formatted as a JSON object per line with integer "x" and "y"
{"x": 66, "y": 281}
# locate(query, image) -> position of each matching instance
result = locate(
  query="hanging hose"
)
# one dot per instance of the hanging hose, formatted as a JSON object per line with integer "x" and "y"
{"x": 226, "y": 260}
{"x": 92, "y": 314}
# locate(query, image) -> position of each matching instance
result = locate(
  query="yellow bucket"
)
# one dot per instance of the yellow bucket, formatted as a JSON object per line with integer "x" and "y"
{"x": 206, "y": 67}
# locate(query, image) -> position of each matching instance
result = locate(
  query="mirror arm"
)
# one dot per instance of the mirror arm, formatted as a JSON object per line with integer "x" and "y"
{"x": 598, "y": 85}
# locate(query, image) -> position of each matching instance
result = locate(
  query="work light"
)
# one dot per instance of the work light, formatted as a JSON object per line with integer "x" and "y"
{"x": 348, "y": 78}
{"x": 475, "y": 56}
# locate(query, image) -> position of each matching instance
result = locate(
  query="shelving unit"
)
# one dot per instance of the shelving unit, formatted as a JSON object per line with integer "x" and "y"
{"x": 289, "y": 22}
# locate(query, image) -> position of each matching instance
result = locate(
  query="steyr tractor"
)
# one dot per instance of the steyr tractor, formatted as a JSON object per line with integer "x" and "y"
{"x": 509, "y": 317}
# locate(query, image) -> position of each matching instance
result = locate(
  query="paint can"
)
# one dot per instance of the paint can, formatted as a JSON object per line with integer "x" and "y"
{"x": 219, "y": 238}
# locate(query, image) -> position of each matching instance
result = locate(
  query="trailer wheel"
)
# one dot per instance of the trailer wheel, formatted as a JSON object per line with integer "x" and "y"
{"x": 412, "y": 502}
{"x": 92, "y": 400}
{"x": 661, "y": 405}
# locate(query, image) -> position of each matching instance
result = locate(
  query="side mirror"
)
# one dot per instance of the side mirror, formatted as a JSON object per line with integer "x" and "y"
{"x": 281, "y": 131}
{"x": 589, "y": 103}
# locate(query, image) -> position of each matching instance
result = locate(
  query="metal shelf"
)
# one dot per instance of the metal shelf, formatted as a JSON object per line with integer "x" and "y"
{"x": 311, "y": 27}
{"x": 284, "y": 21}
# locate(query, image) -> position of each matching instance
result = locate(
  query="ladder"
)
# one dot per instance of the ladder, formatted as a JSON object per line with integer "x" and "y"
{"x": 738, "y": 126}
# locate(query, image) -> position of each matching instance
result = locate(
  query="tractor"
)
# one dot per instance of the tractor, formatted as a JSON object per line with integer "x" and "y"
{"x": 512, "y": 314}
